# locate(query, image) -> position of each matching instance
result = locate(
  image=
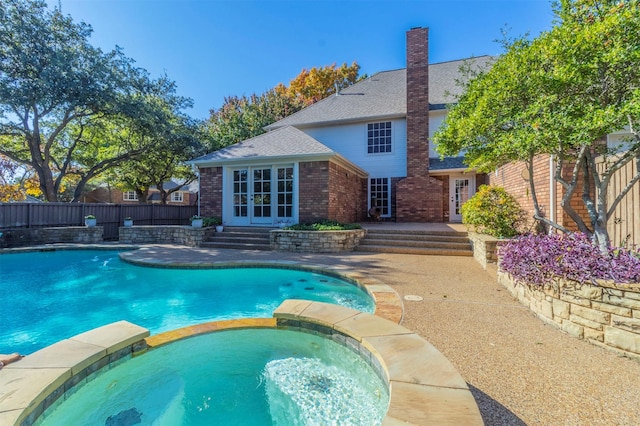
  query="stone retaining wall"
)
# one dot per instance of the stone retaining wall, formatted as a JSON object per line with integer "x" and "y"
{"x": 485, "y": 248}
{"x": 607, "y": 315}
{"x": 315, "y": 241}
{"x": 66, "y": 234}
{"x": 181, "y": 235}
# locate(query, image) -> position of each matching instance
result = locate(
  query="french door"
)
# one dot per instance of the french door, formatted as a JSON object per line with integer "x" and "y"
{"x": 262, "y": 195}
{"x": 460, "y": 189}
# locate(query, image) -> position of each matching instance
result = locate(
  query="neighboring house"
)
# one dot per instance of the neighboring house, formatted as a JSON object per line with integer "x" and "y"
{"x": 103, "y": 194}
{"x": 362, "y": 152}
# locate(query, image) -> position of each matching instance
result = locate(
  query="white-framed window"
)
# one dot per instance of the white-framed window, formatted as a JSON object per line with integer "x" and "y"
{"x": 380, "y": 197}
{"x": 130, "y": 196}
{"x": 379, "y": 137}
{"x": 177, "y": 197}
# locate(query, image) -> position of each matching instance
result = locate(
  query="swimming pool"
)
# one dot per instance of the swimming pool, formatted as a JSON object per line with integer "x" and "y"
{"x": 249, "y": 376}
{"x": 49, "y": 296}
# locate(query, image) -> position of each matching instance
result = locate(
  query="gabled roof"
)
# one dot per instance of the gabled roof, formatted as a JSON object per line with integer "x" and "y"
{"x": 284, "y": 142}
{"x": 383, "y": 95}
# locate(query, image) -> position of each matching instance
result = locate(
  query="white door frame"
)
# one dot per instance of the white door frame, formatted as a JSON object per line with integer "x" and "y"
{"x": 251, "y": 209}
{"x": 459, "y": 193}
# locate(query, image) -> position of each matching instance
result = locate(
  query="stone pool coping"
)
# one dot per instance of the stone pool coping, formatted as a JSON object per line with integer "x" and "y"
{"x": 424, "y": 387}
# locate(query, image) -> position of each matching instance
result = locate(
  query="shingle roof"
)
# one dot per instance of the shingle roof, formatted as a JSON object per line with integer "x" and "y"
{"x": 383, "y": 95}
{"x": 283, "y": 142}
{"x": 447, "y": 163}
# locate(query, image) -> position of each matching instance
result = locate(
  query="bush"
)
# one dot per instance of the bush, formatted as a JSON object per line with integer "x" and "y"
{"x": 325, "y": 225}
{"x": 493, "y": 211}
{"x": 540, "y": 259}
{"x": 211, "y": 221}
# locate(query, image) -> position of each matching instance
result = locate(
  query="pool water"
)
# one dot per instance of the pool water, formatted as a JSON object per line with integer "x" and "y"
{"x": 50, "y": 296}
{"x": 239, "y": 377}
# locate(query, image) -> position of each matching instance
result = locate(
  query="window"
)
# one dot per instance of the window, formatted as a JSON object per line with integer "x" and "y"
{"x": 379, "y": 195}
{"x": 177, "y": 197}
{"x": 130, "y": 196}
{"x": 379, "y": 137}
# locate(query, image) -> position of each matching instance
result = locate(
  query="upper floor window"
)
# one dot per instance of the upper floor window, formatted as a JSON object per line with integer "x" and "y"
{"x": 177, "y": 197}
{"x": 130, "y": 196}
{"x": 379, "y": 137}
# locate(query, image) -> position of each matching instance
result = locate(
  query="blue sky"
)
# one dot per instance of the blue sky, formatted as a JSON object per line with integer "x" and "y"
{"x": 216, "y": 48}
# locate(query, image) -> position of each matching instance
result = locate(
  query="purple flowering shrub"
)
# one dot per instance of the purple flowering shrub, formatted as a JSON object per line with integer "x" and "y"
{"x": 540, "y": 259}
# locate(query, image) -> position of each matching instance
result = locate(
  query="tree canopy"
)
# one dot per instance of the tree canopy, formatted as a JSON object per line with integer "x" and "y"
{"x": 244, "y": 117}
{"x": 559, "y": 94}
{"x": 68, "y": 110}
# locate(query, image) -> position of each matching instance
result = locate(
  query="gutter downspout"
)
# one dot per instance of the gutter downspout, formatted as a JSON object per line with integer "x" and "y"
{"x": 552, "y": 190}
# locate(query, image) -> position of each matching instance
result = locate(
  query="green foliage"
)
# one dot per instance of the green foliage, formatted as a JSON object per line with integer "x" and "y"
{"x": 68, "y": 110}
{"x": 493, "y": 211}
{"x": 558, "y": 94}
{"x": 324, "y": 225}
{"x": 211, "y": 221}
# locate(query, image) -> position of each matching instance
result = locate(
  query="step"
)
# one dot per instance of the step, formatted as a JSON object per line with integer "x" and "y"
{"x": 222, "y": 238}
{"x": 414, "y": 250}
{"x": 235, "y": 245}
{"x": 414, "y": 232}
{"x": 461, "y": 245}
{"x": 419, "y": 237}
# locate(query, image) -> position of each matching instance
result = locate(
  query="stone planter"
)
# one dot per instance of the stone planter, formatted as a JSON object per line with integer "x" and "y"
{"x": 315, "y": 241}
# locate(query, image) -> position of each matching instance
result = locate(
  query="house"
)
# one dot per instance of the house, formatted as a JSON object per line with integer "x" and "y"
{"x": 188, "y": 195}
{"x": 360, "y": 153}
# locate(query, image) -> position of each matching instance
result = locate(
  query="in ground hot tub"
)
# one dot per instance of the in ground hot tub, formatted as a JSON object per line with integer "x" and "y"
{"x": 313, "y": 363}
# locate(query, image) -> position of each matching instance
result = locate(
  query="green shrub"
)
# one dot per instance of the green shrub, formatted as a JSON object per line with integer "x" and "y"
{"x": 211, "y": 221}
{"x": 493, "y": 211}
{"x": 325, "y": 225}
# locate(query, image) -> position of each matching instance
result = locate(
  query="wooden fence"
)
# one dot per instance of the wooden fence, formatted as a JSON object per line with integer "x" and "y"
{"x": 110, "y": 216}
{"x": 624, "y": 226}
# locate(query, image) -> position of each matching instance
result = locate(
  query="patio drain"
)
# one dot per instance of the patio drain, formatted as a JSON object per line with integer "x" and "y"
{"x": 413, "y": 298}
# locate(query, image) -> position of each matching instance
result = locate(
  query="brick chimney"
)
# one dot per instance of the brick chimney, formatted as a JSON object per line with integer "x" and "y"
{"x": 417, "y": 102}
{"x": 419, "y": 197}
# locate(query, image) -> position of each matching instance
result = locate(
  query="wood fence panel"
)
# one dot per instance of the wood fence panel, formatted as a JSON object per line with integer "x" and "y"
{"x": 624, "y": 226}
{"x": 110, "y": 216}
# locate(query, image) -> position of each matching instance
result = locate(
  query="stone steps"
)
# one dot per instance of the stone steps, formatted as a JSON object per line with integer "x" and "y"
{"x": 236, "y": 237}
{"x": 434, "y": 243}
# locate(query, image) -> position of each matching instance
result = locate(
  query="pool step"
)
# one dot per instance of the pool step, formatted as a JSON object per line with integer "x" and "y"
{"x": 237, "y": 237}
{"x": 438, "y": 243}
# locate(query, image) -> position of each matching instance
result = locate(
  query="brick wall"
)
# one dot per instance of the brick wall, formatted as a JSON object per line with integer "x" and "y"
{"x": 211, "y": 191}
{"x": 347, "y": 195}
{"x": 314, "y": 191}
{"x": 513, "y": 177}
{"x": 417, "y": 102}
{"x": 419, "y": 199}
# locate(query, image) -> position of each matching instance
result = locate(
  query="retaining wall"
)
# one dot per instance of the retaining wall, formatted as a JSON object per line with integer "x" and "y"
{"x": 607, "y": 315}
{"x": 181, "y": 235}
{"x": 315, "y": 241}
{"x": 66, "y": 234}
{"x": 485, "y": 248}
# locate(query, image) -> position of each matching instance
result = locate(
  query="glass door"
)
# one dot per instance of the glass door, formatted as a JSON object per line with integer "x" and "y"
{"x": 460, "y": 189}
{"x": 260, "y": 198}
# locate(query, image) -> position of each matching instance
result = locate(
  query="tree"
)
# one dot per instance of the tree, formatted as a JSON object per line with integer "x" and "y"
{"x": 242, "y": 118}
{"x": 315, "y": 84}
{"x": 60, "y": 98}
{"x": 559, "y": 94}
{"x": 164, "y": 162}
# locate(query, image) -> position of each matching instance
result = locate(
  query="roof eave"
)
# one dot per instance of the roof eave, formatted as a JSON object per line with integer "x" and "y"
{"x": 325, "y": 123}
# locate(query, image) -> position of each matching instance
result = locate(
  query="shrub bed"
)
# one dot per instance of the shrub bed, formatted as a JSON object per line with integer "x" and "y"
{"x": 541, "y": 259}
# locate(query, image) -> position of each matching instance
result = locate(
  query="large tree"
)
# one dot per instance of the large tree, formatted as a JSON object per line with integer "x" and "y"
{"x": 244, "y": 117}
{"x": 57, "y": 91}
{"x": 560, "y": 94}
